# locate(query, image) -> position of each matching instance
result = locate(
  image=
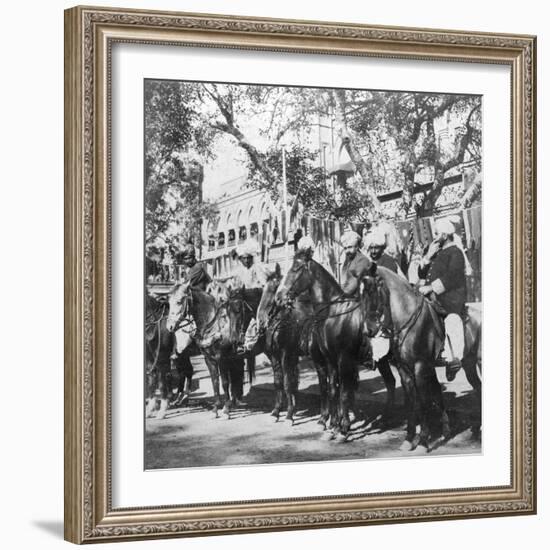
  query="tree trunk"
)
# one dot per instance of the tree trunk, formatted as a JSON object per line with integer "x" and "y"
{"x": 339, "y": 110}
{"x": 471, "y": 194}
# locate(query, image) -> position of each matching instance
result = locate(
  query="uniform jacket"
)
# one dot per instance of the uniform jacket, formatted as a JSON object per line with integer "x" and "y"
{"x": 447, "y": 267}
{"x": 388, "y": 262}
{"x": 197, "y": 276}
{"x": 353, "y": 271}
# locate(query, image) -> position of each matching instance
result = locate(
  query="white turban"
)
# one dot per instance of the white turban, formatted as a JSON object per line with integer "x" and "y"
{"x": 350, "y": 238}
{"x": 306, "y": 243}
{"x": 444, "y": 225}
{"x": 376, "y": 238}
{"x": 248, "y": 248}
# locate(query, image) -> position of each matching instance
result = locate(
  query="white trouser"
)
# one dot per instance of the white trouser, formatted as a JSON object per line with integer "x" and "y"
{"x": 184, "y": 336}
{"x": 454, "y": 342}
{"x": 252, "y": 335}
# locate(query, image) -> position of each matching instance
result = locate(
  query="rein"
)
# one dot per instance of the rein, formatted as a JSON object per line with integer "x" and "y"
{"x": 292, "y": 296}
{"x": 409, "y": 324}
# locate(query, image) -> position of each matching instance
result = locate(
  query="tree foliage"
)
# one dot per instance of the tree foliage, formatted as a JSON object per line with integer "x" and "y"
{"x": 391, "y": 137}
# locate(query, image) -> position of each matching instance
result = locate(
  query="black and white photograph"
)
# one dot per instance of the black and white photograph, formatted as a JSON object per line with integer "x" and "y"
{"x": 313, "y": 274}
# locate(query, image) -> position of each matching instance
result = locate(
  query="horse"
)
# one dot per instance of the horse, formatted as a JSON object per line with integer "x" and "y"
{"x": 286, "y": 336}
{"x": 416, "y": 343}
{"x": 161, "y": 352}
{"x": 339, "y": 323}
{"x": 213, "y": 338}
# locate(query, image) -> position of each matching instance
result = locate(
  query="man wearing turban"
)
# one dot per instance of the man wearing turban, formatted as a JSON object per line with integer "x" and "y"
{"x": 194, "y": 272}
{"x": 356, "y": 267}
{"x": 443, "y": 268}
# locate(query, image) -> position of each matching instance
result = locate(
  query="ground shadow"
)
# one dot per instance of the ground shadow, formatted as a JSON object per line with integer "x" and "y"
{"x": 52, "y": 527}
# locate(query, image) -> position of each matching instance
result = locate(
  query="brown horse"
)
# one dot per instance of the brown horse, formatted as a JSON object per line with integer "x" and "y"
{"x": 160, "y": 354}
{"x": 338, "y": 332}
{"x": 213, "y": 338}
{"x": 286, "y": 334}
{"x": 417, "y": 340}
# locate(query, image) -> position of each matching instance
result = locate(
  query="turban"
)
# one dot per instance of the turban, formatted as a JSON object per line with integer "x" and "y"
{"x": 248, "y": 248}
{"x": 306, "y": 243}
{"x": 188, "y": 251}
{"x": 376, "y": 238}
{"x": 350, "y": 238}
{"x": 444, "y": 225}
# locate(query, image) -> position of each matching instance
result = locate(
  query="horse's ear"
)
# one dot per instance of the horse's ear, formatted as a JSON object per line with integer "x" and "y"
{"x": 277, "y": 269}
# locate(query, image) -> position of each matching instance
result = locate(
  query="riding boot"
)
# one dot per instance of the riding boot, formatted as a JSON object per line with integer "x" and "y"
{"x": 365, "y": 355}
{"x": 451, "y": 369}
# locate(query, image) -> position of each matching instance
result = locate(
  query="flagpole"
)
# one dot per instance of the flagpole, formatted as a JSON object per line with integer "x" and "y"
{"x": 285, "y": 208}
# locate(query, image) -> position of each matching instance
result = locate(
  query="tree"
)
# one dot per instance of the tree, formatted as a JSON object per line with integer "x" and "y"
{"x": 175, "y": 140}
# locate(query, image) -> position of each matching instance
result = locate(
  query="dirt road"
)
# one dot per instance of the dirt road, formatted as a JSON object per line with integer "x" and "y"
{"x": 190, "y": 436}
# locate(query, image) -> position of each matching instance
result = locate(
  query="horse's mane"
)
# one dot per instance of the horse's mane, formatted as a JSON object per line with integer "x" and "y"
{"x": 327, "y": 277}
{"x": 394, "y": 279}
{"x": 401, "y": 286}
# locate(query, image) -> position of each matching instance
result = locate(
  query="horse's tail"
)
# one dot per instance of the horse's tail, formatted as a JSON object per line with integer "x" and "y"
{"x": 251, "y": 367}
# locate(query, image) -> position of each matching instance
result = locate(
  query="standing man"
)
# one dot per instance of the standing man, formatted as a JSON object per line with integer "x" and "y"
{"x": 443, "y": 267}
{"x": 194, "y": 272}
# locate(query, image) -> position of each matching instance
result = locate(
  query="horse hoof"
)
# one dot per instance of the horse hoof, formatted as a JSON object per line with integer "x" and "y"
{"x": 327, "y": 436}
{"x": 341, "y": 438}
{"x": 406, "y": 446}
{"x": 420, "y": 450}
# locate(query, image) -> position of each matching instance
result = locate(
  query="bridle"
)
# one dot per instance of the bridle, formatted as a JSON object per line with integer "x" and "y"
{"x": 292, "y": 295}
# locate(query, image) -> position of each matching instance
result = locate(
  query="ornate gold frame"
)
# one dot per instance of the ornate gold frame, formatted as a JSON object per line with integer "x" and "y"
{"x": 89, "y": 34}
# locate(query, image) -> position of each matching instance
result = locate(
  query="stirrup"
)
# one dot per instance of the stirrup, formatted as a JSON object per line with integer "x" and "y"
{"x": 451, "y": 369}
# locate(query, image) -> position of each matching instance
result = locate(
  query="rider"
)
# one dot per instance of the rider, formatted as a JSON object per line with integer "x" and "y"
{"x": 356, "y": 267}
{"x": 443, "y": 267}
{"x": 194, "y": 272}
{"x": 248, "y": 274}
{"x": 376, "y": 251}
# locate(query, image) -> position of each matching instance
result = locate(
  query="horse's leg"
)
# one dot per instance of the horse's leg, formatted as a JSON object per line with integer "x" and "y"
{"x": 422, "y": 378}
{"x": 409, "y": 390}
{"x": 347, "y": 370}
{"x": 150, "y": 401}
{"x": 215, "y": 377}
{"x": 290, "y": 379}
{"x": 333, "y": 394}
{"x": 321, "y": 368}
{"x": 278, "y": 386}
{"x": 163, "y": 388}
{"x": 389, "y": 380}
{"x": 224, "y": 374}
{"x": 185, "y": 375}
{"x": 437, "y": 393}
{"x": 236, "y": 378}
{"x": 470, "y": 365}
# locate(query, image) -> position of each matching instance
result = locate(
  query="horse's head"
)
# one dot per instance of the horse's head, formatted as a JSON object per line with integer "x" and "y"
{"x": 220, "y": 291}
{"x": 178, "y": 305}
{"x": 267, "y": 301}
{"x": 297, "y": 280}
{"x": 374, "y": 294}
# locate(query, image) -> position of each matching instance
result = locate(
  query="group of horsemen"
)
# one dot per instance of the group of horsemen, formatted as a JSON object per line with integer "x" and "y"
{"x": 441, "y": 276}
